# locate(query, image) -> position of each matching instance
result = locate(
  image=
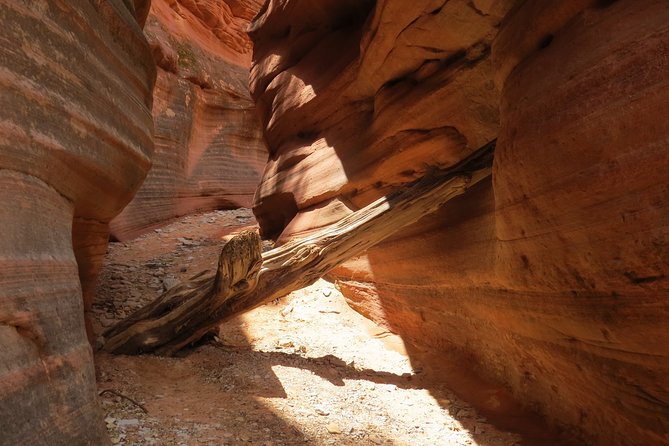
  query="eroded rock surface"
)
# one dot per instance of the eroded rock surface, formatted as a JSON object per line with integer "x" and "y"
{"x": 75, "y": 142}
{"x": 552, "y": 277}
{"x": 274, "y": 375}
{"x": 209, "y": 148}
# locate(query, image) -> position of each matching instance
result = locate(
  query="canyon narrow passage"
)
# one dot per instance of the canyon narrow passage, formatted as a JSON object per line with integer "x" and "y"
{"x": 331, "y": 148}
{"x": 306, "y": 369}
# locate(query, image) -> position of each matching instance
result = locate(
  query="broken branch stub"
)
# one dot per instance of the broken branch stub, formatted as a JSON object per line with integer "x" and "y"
{"x": 246, "y": 279}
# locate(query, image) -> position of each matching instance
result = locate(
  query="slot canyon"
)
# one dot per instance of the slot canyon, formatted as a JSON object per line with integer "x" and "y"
{"x": 402, "y": 297}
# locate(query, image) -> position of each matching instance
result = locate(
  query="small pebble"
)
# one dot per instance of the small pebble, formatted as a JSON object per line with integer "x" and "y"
{"x": 333, "y": 428}
{"x": 128, "y": 422}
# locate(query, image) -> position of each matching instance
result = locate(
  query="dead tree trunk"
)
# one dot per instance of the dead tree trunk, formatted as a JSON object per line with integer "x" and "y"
{"x": 246, "y": 279}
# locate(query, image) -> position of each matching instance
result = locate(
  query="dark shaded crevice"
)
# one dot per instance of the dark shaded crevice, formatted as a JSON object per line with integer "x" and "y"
{"x": 546, "y": 41}
{"x": 278, "y": 210}
{"x": 639, "y": 280}
{"x": 604, "y": 3}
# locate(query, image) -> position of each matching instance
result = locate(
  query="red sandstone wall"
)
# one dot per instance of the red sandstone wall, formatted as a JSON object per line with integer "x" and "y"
{"x": 209, "y": 148}
{"x": 76, "y": 79}
{"x": 552, "y": 277}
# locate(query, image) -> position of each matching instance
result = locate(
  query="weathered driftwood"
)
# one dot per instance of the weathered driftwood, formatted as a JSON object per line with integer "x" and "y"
{"x": 245, "y": 278}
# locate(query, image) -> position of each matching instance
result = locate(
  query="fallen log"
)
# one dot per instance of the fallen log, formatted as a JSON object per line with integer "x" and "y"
{"x": 246, "y": 278}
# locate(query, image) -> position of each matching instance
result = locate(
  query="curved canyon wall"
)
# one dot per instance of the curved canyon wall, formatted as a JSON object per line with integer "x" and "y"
{"x": 552, "y": 278}
{"x": 209, "y": 148}
{"x": 75, "y": 144}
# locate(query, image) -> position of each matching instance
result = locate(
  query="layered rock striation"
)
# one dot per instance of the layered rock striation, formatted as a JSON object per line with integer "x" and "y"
{"x": 552, "y": 277}
{"x": 209, "y": 148}
{"x": 75, "y": 144}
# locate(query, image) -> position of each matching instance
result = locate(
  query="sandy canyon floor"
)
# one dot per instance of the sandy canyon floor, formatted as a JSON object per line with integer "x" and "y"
{"x": 304, "y": 370}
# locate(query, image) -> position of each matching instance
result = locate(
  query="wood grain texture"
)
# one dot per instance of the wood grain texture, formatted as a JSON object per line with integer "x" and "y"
{"x": 246, "y": 279}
